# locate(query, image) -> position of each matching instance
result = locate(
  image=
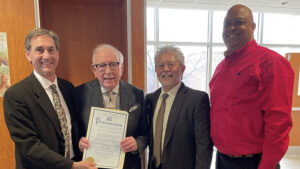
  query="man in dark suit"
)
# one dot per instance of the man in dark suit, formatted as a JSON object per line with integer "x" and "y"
{"x": 39, "y": 110}
{"x": 108, "y": 91}
{"x": 179, "y": 118}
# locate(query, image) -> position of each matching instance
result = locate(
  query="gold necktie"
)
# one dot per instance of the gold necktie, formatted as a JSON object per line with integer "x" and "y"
{"x": 62, "y": 119}
{"x": 158, "y": 130}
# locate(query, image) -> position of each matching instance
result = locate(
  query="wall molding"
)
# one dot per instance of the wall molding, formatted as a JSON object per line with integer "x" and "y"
{"x": 37, "y": 14}
{"x": 129, "y": 42}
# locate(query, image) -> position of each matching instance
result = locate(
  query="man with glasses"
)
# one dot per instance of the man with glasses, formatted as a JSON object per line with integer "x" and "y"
{"x": 108, "y": 91}
{"x": 251, "y": 99}
{"x": 179, "y": 117}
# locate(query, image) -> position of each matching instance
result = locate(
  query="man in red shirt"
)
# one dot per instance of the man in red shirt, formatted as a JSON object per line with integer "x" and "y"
{"x": 251, "y": 99}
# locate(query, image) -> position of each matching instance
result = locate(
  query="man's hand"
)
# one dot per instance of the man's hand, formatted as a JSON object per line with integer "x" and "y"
{"x": 84, "y": 165}
{"x": 128, "y": 144}
{"x": 83, "y": 143}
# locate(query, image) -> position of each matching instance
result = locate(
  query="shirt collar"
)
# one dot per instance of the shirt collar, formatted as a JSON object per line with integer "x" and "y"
{"x": 45, "y": 82}
{"x": 171, "y": 92}
{"x": 115, "y": 90}
{"x": 248, "y": 46}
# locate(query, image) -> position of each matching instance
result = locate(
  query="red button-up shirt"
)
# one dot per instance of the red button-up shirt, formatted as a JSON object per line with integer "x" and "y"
{"x": 251, "y": 102}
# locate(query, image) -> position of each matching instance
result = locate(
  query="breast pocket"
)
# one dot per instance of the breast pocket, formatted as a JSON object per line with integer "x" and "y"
{"x": 245, "y": 84}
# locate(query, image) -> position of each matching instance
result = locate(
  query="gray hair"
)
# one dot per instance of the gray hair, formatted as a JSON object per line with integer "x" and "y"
{"x": 39, "y": 32}
{"x": 103, "y": 46}
{"x": 175, "y": 51}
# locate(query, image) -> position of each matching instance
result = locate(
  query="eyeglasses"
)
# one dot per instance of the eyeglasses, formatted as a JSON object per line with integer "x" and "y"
{"x": 171, "y": 65}
{"x": 102, "y": 67}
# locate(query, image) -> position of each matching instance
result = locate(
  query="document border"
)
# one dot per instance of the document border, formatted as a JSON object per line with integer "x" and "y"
{"x": 91, "y": 119}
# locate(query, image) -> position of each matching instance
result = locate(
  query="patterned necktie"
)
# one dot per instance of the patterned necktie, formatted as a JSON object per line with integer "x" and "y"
{"x": 111, "y": 104}
{"x": 158, "y": 130}
{"x": 62, "y": 119}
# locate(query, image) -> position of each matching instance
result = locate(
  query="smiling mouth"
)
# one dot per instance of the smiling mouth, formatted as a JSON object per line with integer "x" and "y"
{"x": 109, "y": 78}
{"x": 231, "y": 35}
{"x": 47, "y": 63}
{"x": 167, "y": 76}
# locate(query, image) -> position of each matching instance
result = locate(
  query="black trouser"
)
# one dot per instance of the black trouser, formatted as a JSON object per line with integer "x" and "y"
{"x": 225, "y": 162}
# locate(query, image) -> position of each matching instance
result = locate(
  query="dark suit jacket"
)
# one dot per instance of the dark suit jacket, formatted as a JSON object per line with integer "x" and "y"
{"x": 34, "y": 126}
{"x": 89, "y": 94}
{"x": 187, "y": 143}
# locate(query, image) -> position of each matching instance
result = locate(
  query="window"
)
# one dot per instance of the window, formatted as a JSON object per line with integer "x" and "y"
{"x": 217, "y": 57}
{"x": 218, "y": 19}
{"x": 200, "y": 39}
{"x": 173, "y": 25}
{"x": 150, "y": 24}
{"x": 196, "y": 65}
{"x": 281, "y": 29}
{"x": 284, "y": 50}
{"x": 151, "y": 76}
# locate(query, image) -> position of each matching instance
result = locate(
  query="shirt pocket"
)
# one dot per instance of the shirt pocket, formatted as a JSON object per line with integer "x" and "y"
{"x": 245, "y": 84}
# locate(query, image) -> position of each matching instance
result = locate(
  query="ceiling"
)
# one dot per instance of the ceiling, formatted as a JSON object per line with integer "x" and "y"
{"x": 282, "y": 6}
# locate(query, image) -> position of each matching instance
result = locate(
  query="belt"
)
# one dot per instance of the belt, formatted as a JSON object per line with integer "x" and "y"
{"x": 241, "y": 156}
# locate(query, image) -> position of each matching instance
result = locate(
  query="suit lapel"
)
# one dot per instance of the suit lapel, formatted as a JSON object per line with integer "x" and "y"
{"x": 45, "y": 103}
{"x": 174, "y": 113}
{"x": 96, "y": 94}
{"x": 155, "y": 100}
{"x": 66, "y": 94}
{"x": 124, "y": 97}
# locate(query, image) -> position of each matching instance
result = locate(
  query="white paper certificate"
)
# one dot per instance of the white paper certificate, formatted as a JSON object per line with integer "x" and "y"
{"x": 106, "y": 129}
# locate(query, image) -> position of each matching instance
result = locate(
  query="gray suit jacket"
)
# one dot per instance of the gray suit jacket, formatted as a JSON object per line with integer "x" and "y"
{"x": 187, "y": 143}
{"x": 34, "y": 126}
{"x": 89, "y": 94}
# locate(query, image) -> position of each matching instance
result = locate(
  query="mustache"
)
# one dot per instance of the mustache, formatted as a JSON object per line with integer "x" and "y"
{"x": 166, "y": 74}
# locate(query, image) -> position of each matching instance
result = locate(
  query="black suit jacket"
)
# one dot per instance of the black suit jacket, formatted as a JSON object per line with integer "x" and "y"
{"x": 89, "y": 94}
{"x": 187, "y": 143}
{"x": 34, "y": 126}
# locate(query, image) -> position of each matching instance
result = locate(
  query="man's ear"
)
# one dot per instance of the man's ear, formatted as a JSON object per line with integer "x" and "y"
{"x": 253, "y": 26}
{"x": 183, "y": 69}
{"x": 94, "y": 70}
{"x": 27, "y": 53}
{"x": 122, "y": 68}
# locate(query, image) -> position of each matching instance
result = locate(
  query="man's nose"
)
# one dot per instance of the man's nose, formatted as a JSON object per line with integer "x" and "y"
{"x": 46, "y": 54}
{"x": 108, "y": 69}
{"x": 232, "y": 26}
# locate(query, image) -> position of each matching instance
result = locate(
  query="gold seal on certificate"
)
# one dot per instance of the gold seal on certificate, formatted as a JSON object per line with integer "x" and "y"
{"x": 106, "y": 129}
{"x": 90, "y": 159}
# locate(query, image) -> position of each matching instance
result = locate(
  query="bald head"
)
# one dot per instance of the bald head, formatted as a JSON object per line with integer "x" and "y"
{"x": 238, "y": 27}
{"x": 237, "y": 10}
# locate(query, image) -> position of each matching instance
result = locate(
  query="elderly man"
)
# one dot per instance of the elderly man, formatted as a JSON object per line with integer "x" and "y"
{"x": 251, "y": 99}
{"x": 39, "y": 110}
{"x": 179, "y": 117}
{"x": 108, "y": 91}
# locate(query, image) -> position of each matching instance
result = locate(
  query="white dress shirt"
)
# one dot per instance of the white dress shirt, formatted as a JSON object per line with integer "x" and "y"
{"x": 46, "y": 85}
{"x": 169, "y": 102}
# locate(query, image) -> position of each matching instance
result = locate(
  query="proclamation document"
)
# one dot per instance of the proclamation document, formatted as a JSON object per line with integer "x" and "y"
{"x": 106, "y": 129}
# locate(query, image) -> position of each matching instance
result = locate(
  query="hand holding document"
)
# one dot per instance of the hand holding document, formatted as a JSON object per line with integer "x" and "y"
{"x": 106, "y": 129}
